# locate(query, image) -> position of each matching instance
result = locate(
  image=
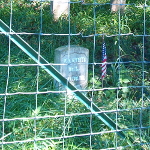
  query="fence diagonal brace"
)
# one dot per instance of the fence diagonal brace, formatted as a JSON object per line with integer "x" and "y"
{"x": 57, "y": 76}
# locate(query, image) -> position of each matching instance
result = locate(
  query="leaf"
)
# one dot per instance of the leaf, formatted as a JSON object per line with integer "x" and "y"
{"x": 125, "y": 80}
{"x": 36, "y": 111}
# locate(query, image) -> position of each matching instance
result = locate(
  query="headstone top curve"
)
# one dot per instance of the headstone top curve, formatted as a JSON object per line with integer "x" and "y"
{"x": 64, "y": 48}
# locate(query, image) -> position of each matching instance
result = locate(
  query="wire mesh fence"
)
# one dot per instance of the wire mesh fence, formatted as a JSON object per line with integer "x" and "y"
{"x": 108, "y": 113}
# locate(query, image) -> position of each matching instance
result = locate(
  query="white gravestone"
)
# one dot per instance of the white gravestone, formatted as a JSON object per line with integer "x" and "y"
{"x": 60, "y": 7}
{"x": 117, "y": 4}
{"x": 73, "y": 65}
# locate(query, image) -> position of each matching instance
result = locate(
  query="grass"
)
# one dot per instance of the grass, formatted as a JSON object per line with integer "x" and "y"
{"x": 134, "y": 108}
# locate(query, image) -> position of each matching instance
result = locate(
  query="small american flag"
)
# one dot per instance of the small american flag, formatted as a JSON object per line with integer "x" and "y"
{"x": 104, "y": 60}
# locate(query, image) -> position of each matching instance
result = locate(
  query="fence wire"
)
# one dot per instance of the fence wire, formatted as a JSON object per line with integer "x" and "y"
{"x": 35, "y": 115}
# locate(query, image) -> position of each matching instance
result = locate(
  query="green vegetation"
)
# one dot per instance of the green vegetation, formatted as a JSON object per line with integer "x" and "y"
{"x": 132, "y": 100}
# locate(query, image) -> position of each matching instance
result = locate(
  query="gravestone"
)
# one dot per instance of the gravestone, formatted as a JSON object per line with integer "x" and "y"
{"x": 59, "y": 7}
{"x": 73, "y": 65}
{"x": 117, "y": 4}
